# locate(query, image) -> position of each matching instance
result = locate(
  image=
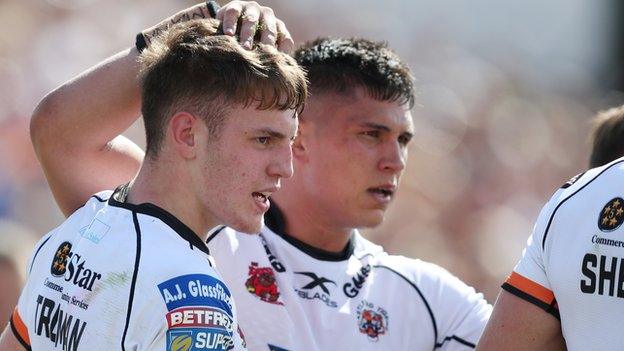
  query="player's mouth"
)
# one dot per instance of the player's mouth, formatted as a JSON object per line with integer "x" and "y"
{"x": 261, "y": 198}
{"x": 383, "y": 193}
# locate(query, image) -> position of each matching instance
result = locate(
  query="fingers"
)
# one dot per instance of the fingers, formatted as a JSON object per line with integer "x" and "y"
{"x": 285, "y": 42}
{"x": 268, "y": 29}
{"x": 249, "y": 23}
{"x": 253, "y": 18}
{"x": 228, "y": 15}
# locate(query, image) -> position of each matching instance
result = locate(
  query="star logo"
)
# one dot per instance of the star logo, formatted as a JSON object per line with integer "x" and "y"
{"x": 612, "y": 215}
{"x": 60, "y": 259}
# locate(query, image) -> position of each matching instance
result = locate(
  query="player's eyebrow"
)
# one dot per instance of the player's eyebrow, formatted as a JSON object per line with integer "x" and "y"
{"x": 272, "y": 133}
{"x": 384, "y": 128}
{"x": 376, "y": 126}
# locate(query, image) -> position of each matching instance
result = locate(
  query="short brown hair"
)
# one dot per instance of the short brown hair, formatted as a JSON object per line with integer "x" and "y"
{"x": 338, "y": 65}
{"x": 193, "y": 67}
{"x": 607, "y": 136}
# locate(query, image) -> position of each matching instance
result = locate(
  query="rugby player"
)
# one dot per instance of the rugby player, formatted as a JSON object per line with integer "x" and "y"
{"x": 309, "y": 280}
{"x": 130, "y": 269}
{"x": 565, "y": 291}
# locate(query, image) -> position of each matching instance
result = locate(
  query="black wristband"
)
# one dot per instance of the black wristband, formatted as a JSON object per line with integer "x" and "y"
{"x": 213, "y": 8}
{"x": 140, "y": 42}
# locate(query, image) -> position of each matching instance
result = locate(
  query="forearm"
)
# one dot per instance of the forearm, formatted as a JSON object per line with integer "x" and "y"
{"x": 91, "y": 109}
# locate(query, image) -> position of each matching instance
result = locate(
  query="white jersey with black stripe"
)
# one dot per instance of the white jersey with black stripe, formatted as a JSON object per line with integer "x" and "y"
{"x": 573, "y": 265}
{"x": 116, "y": 276}
{"x": 294, "y": 297}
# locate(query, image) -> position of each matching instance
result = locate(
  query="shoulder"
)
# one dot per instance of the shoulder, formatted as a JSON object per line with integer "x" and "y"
{"x": 599, "y": 176}
{"x": 422, "y": 275}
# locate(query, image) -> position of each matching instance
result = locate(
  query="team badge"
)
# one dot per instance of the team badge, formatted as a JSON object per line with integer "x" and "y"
{"x": 612, "y": 215}
{"x": 59, "y": 263}
{"x": 372, "y": 320}
{"x": 261, "y": 282}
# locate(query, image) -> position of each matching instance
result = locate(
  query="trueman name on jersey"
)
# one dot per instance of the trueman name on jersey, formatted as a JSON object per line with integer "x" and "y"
{"x": 200, "y": 313}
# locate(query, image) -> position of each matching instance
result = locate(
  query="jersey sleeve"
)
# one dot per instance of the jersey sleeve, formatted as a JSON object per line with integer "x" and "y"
{"x": 460, "y": 312}
{"x": 529, "y": 280}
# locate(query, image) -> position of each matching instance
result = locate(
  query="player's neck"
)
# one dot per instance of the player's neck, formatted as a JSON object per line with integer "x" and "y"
{"x": 162, "y": 187}
{"x": 308, "y": 224}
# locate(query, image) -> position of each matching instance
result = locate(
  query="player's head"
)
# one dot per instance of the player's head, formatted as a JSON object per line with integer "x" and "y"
{"x": 353, "y": 136}
{"x": 223, "y": 115}
{"x": 607, "y": 137}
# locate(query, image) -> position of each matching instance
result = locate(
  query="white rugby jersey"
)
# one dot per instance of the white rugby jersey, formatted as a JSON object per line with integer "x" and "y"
{"x": 291, "y": 296}
{"x": 573, "y": 265}
{"x": 117, "y": 276}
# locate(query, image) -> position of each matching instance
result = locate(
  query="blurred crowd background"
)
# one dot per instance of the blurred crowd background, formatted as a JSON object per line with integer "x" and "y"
{"x": 506, "y": 91}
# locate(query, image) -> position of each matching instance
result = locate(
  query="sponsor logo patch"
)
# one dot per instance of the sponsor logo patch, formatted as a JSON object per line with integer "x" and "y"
{"x": 310, "y": 291}
{"x": 200, "y": 313}
{"x": 352, "y": 288}
{"x": 612, "y": 215}
{"x": 261, "y": 282}
{"x": 372, "y": 320}
{"x": 73, "y": 267}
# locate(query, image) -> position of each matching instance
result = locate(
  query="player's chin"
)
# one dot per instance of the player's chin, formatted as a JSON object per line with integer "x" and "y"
{"x": 371, "y": 218}
{"x": 251, "y": 224}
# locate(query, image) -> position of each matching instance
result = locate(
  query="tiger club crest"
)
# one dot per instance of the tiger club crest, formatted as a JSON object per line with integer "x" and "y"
{"x": 372, "y": 321}
{"x": 261, "y": 282}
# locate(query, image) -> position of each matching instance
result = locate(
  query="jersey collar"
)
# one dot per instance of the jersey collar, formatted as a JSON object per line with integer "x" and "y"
{"x": 274, "y": 219}
{"x": 119, "y": 198}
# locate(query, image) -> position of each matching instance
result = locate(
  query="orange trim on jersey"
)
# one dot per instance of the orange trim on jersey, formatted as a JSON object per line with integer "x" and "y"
{"x": 530, "y": 287}
{"x": 19, "y": 327}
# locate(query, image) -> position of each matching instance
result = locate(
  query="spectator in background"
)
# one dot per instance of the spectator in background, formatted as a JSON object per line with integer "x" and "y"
{"x": 607, "y": 136}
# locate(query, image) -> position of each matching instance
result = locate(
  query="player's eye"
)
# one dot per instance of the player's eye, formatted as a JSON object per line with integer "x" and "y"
{"x": 405, "y": 139}
{"x": 373, "y": 134}
{"x": 263, "y": 140}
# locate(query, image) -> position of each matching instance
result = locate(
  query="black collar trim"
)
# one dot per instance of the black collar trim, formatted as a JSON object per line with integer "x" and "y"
{"x": 119, "y": 197}
{"x": 274, "y": 219}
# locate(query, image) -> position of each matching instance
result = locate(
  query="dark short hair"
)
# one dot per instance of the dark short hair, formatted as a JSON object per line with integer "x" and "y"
{"x": 193, "y": 67}
{"x": 607, "y": 136}
{"x": 339, "y": 65}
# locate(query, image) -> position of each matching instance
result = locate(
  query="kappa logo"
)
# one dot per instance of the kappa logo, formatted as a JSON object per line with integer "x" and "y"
{"x": 261, "y": 282}
{"x": 372, "y": 321}
{"x": 71, "y": 266}
{"x": 612, "y": 215}
{"x": 306, "y": 291}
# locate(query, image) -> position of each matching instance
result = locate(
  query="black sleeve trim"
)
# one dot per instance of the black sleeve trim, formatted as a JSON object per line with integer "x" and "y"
{"x": 212, "y": 236}
{"x": 433, "y": 321}
{"x": 99, "y": 198}
{"x": 552, "y": 216}
{"x": 137, "y": 260}
{"x": 550, "y": 309}
{"x": 456, "y": 338}
{"x": 17, "y": 336}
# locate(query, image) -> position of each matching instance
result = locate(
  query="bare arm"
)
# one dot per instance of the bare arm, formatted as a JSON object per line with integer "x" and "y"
{"x": 74, "y": 131}
{"x": 76, "y": 128}
{"x": 517, "y": 325}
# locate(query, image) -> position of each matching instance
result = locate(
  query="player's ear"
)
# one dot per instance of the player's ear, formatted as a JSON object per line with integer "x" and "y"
{"x": 183, "y": 129}
{"x": 299, "y": 144}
